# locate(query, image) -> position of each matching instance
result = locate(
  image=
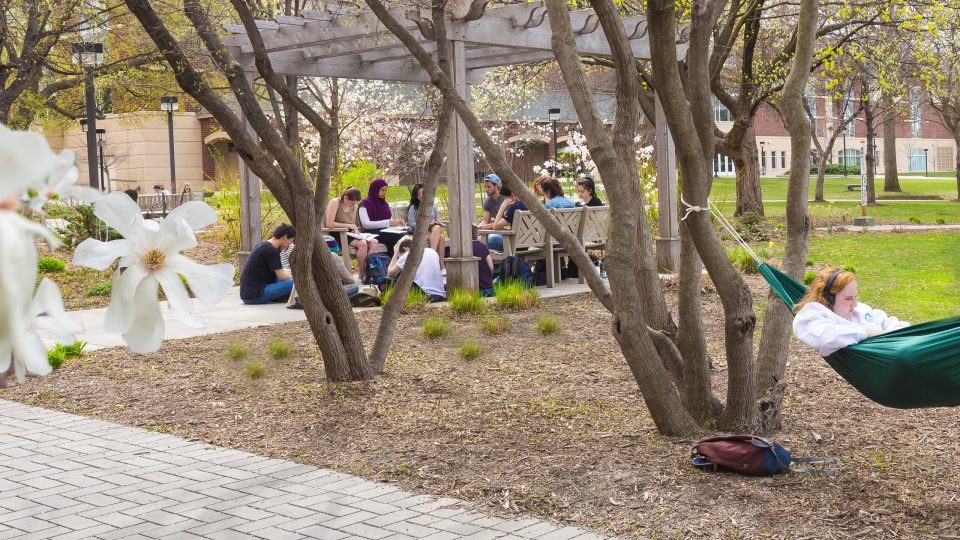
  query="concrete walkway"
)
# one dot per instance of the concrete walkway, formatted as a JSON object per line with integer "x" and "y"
{"x": 65, "y": 476}
{"x": 231, "y": 314}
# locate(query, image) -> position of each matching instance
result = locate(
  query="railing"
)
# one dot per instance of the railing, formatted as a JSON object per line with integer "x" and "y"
{"x": 160, "y": 204}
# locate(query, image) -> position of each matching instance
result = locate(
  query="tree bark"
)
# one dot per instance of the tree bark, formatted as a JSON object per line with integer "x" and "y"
{"x": 691, "y": 338}
{"x": 746, "y": 161}
{"x": 891, "y": 180}
{"x": 775, "y": 339}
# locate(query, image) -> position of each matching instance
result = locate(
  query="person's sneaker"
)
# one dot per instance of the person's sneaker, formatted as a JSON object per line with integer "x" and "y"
{"x": 603, "y": 275}
{"x": 296, "y": 305}
{"x": 443, "y": 271}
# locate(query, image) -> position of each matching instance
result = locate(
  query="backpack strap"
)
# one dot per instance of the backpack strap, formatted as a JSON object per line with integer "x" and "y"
{"x": 815, "y": 472}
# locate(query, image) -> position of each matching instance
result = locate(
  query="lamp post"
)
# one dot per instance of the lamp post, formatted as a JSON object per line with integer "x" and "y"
{"x": 554, "y": 115}
{"x": 763, "y": 159}
{"x": 926, "y": 170}
{"x": 103, "y": 170}
{"x": 89, "y": 55}
{"x": 170, "y": 104}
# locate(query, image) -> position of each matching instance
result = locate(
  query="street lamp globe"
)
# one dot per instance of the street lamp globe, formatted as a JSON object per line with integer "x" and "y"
{"x": 169, "y": 103}
{"x": 553, "y": 114}
{"x": 88, "y": 54}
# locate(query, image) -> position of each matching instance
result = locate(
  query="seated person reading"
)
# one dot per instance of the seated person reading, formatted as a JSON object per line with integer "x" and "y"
{"x": 263, "y": 278}
{"x": 829, "y": 317}
{"x": 428, "y": 277}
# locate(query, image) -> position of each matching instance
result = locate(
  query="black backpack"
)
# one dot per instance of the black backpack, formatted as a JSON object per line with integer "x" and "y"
{"x": 377, "y": 265}
{"x": 516, "y": 269}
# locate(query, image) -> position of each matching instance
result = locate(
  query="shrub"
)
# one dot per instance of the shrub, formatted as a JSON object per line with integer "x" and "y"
{"x": 56, "y": 210}
{"x": 81, "y": 224}
{"x": 255, "y": 370}
{"x": 837, "y": 168}
{"x": 435, "y": 327}
{"x": 495, "y": 324}
{"x": 515, "y": 294}
{"x": 100, "y": 289}
{"x": 60, "y": 353}
{"x": 742, "y": 260}
{"x": 914, "y": 219}
{"x": 56, "y": 357}
{"x": 279, "y": 348}
{"x": 941, "y": 221}
{"x": 236, "y": 351}
{"x": 469, "y": 349}
{"x": 809, "y": 277}
{"x": 464, "y": 301}
{"x": 51, "y": 264}
{"x": 547, "y": 324}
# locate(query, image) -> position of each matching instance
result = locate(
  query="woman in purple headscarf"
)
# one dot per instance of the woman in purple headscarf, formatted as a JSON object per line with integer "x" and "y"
{"x": 375, "y": 215}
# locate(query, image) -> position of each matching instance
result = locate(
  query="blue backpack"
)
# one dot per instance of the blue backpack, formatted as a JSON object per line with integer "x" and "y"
{"x": 515, "y": 268}
{"x": 377, "y": 265}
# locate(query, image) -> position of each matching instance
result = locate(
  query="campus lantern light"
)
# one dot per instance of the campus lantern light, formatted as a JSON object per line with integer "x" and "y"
{"x": 170, "y": 104}
{"x": 89, "y": 55}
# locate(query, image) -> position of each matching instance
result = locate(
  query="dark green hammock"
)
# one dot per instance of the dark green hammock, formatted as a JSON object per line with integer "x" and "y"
{"x": 917, "y": 366}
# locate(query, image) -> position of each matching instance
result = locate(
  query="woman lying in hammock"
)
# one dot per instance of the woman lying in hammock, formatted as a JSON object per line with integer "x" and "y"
{"x": 829, "y": 317}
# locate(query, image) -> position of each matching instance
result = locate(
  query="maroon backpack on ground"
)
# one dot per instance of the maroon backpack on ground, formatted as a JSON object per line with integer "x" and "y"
{"x": 750, "y": 455}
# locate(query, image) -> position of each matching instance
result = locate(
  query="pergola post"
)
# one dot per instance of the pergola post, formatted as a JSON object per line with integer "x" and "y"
{"x": 250, "y": 230}
{"x": 462, "y": 269}
{"x": 668, "y": 241}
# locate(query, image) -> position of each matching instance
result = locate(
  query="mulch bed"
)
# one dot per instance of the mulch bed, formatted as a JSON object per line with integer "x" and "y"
{"x": 552, "y": 426}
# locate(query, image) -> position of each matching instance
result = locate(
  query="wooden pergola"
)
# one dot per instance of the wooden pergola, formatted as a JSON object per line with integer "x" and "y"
{"x": 347, "y": 42}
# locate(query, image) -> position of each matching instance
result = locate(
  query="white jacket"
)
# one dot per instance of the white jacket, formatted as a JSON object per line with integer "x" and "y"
{"x": 819, "y": 327}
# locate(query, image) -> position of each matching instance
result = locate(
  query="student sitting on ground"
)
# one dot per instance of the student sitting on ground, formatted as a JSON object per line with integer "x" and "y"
{"x": 263, "y": 278}
{"x": 485, "y": 265}
{"x": 428, "y": 277}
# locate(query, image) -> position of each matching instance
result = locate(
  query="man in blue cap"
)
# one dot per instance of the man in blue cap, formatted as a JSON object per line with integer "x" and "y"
{"x": 491, "y": 206}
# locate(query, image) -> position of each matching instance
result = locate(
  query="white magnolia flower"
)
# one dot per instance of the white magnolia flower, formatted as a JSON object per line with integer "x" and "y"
{"x": 60, "y": 183}
{"x": 149, "y": 256}
{"x": 29, "y": 166}
{"x": 21, "y": 315}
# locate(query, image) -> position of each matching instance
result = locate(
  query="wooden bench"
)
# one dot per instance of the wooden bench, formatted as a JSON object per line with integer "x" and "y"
{"x": 853, "y": 187}
{"x": 154, "y": 205}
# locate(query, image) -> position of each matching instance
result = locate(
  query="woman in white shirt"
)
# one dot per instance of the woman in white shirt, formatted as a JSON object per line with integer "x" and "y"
{"x": 829, "y": 317}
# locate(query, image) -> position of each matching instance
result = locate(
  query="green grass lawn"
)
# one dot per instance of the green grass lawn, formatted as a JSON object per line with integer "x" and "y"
{"x": 834, "y": 188}
{"x": 915, "y": 277}
{"x": 887, "y": 212}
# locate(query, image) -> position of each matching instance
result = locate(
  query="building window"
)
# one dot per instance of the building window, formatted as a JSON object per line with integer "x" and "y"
{"x": 763, "y": 161}
{"x": 849, "y": 157}
{"x": 918, "y": 160}
{"x": 773, "y": 159}
{"x": 783, "y": 159}
{"x": 847, "y": 116}
{"x": 915, "y": 113}
{"x": 723, "y": 166}
{"x": 721, "y": 113}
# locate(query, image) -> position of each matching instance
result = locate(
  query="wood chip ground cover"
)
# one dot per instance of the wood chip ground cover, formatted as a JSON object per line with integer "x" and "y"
{"x": 547, "y": 425}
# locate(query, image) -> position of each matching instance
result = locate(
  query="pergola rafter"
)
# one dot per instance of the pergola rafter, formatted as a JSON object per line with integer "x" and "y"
{"x": 344, "y": 42}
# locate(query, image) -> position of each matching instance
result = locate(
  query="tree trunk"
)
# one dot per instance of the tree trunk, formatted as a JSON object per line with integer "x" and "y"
{"x": 746, "y": 161}
{"x": 870, "y": 119}
{"x": 891, "y": 181}
{"x": 775, "y": 340}
{"x": 691, "y": 339}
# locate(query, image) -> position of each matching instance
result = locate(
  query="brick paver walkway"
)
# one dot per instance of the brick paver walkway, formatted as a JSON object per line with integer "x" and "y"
{"x": 66, "y": 476}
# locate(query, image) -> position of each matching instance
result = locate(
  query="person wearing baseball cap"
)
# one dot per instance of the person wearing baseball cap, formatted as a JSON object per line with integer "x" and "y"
{"x": 491, "y": 205}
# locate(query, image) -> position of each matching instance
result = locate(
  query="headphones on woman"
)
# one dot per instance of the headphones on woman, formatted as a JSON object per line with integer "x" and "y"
{"x": 826, "y": 290}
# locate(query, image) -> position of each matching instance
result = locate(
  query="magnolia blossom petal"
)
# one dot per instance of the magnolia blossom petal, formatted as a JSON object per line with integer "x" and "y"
{"x": 98, "y": 255}
{"x": 122, "y": 308}
{"x": 120, "y": 212}
{"x": 50, "y": 314}
{"x": 27, "y": 161}
{"x": 29, "y": 356}
{"x": 180, "y": 305}
{"x": 197, "y": 215}
{"x": 209, "y": 283}
{"x": 175, "y": 236}
{"x": 145, "y": 333}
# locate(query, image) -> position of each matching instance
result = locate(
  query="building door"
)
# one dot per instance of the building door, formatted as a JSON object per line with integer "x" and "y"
{"x": 723, "y": 166}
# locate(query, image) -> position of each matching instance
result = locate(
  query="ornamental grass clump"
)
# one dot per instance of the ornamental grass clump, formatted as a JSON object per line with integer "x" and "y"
{"x": 415, "y": 298}
{"x": 236, "y": 351}
{"x": 255, "y": 370}
{"x": 279, "y": 348}
{"x": 463, "y": 301}
{"x": 435, "y": 327}
{"x": 495, "y": 325}
{"x": 51, "y": 264}
{"x": 547, "y": 324}
{"x": 469, "y": 349}
{"x": 100, "y": 289}
{"x": 515, "y": 295}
